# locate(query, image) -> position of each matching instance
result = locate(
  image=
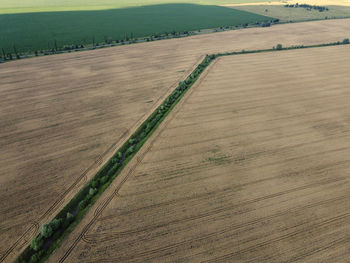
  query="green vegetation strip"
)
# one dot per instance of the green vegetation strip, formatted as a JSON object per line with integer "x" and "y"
{"x": 54, "y": 31}
{"x": 53, "y": 233}
{"x": 31, "y": 6}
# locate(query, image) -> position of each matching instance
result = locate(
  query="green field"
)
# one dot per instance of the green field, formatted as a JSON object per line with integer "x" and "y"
{"x": 38, "y": 31}
{"x": 26, "y": 6}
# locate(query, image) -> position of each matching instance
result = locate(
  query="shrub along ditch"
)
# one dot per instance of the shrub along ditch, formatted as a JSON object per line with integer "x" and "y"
{"x": 52, "y": 233}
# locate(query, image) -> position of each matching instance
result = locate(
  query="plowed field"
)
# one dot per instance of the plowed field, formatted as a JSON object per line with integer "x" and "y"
{"x": 62, "y": 116}
{"x": 251, "y": 166}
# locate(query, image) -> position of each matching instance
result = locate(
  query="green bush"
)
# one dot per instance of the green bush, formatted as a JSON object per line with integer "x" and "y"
{"x": 55, "y": 224}
{"x": 34, "y": 259}
{"x": 46, "y": 230}
{"x": 104, "y": 179}
{"x": 92, "y": 191}
{"x": 36, "y": 243}
{"x": 346, "y": 41}
{"x": 279, "y": 47}
{"x": 130, "y": 150}
{"x": 82, "y": 204}
{"x": 95, "y": 183}
{"x": 69, "y": 217}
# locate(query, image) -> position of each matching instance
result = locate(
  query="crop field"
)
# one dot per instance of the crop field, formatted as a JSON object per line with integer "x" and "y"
{"x": 29, "y": 26}
{"x": 30, "y": 6}
{"x": 40, "y": 31}
{"x": 251, "y": 166}
{"x": 296, "y": 14}
{"x": 63, "y": 116}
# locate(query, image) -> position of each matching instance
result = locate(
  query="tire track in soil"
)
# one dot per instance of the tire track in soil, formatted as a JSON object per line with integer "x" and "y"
{"x": 320, "y": 169}
{"x": 26, "y": 236}
{"x": 234, "y": 227}
{"x": 260, "y": 166}
{"x": 220, "y": 210}
{"x": 321, "y": 224}
{"x": 320, "y": 249}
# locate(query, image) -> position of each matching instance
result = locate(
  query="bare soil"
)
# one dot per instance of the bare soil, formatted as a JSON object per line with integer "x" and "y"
{"x": 296, "y": 14}
{"x": 62, "y": 116}
{"x": 251, "y": 166}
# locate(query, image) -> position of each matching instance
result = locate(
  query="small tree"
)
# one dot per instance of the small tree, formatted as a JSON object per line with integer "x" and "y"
{"x": 46, "y": 230}
{"x": 82, "y": 204}
{"x": 36, "y": 243}
{"x": 346, "y": 41}
{"x": 55, "y": 224}
{"x": 92, "y": 191}
{"x": 104, "y": 179}
{"x": 34, "y": 259}
{"x": 94, "y": 183}
{"x": 69, "y": 217}
{"x": 55, "y": 44}
{"x": 279, "y": 47}
{"x": 3, "y": 53}
{"x": 16, "y": 53}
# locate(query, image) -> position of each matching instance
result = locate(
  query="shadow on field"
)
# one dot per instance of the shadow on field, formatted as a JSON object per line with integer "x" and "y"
{"x": 34, "y": 31}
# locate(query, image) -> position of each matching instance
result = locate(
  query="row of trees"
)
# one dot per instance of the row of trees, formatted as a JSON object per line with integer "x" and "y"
{"x": 53, "y": 230}
{"x": 308, "y": 7}
{"x": 54, "y": 48}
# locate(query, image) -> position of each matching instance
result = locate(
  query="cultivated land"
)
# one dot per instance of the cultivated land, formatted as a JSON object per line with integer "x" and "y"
{"x": 62, "y": 116}
{"x": 251, "y": 166}
{"x": 296, "y": 14}
{"x": 88, "y": 27}
{"x": 29, "y": 6}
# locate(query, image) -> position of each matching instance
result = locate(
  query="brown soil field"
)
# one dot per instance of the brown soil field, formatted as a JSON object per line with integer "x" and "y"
{"x": 296, "y": 14}
{"x": 310, "y": 2}
{"x": 62, "y": 116}
{"x": 251, "y": 166}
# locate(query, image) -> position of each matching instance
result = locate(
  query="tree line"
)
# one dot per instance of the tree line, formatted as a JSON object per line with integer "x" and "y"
{"x": 308, "y": 7}
{"x": 54, "y": 48}
{"x": 77, "y": 207}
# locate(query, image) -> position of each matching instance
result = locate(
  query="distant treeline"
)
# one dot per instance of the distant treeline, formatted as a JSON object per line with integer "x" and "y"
{"x": 309, "y": 7}
{"x": 108, "y": 42}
